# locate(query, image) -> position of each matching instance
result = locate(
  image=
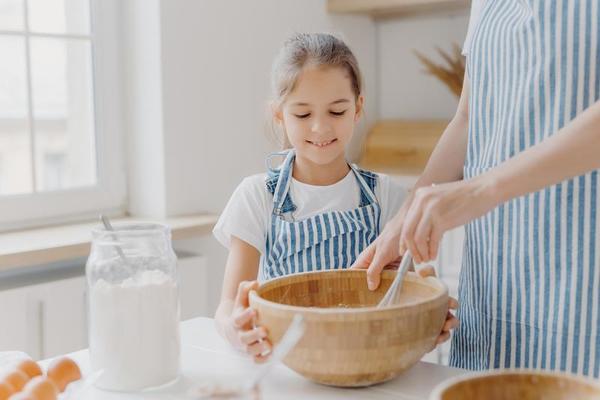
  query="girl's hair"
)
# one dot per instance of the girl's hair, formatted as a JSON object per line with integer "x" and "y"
{"x": 309, "y": 49}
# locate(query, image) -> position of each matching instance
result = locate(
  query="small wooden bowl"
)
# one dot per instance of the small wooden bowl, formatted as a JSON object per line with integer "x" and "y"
{"x": 348, "y": 341}
{"x": 517, "y": 384}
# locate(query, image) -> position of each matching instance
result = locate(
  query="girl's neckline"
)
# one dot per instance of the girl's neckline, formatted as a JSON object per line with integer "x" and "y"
{"x": 314, "y": 174}
{"x": 341, "y": 182}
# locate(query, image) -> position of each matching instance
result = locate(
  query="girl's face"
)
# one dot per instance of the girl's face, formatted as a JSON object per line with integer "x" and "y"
{"x": 319, "y": 115}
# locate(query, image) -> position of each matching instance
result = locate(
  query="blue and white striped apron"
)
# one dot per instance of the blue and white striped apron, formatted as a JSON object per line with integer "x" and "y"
{"x": 530, "y": 280}
{"x": 331, "y": 240}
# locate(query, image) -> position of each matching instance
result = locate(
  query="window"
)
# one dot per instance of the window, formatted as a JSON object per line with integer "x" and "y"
{"x": 57, "y": 125}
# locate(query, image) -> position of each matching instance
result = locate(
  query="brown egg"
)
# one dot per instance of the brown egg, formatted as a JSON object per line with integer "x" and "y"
{"x": 63, "y": 371}
{"x": 6, "y": 389}
{"x": 30, "y": 367}
{"x": 41, "y": 388}
{"x": 17, "y": 379}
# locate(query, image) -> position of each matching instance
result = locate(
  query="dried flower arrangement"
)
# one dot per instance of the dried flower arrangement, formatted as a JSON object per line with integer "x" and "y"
{"x": 451, "y": 73}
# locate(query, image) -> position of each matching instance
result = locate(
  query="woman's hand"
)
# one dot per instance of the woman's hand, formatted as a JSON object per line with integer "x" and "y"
{"x": 241, "y": 331}
{"x": 384, "y": 250}
{"x": 438, "y": 208}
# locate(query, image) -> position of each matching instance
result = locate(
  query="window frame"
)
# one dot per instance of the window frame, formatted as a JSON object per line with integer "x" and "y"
{"x": 109, "y": 195}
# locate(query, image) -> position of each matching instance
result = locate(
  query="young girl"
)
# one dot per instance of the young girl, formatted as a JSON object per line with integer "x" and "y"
{"x": 315, "y": 211}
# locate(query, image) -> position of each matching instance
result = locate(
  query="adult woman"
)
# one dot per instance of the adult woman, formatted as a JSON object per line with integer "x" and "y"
{"x": 517, "y": 165}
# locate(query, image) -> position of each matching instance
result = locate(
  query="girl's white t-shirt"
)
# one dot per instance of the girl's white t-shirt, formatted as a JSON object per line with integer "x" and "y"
{"x": 248, "y": 212}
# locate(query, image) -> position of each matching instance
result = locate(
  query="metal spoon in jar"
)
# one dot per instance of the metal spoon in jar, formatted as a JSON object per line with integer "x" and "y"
{"x": 109, "y": 227}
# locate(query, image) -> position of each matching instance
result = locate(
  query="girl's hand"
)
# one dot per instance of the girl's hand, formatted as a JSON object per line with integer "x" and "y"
{"x": 437, "y": 209}
{"x": 242, "y": 332}
{"x": 451, "y": 321}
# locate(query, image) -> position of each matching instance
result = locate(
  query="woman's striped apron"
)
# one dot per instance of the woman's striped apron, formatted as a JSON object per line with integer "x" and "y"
{"x": 530, "y": 280}
{"x": 331, "y": 240}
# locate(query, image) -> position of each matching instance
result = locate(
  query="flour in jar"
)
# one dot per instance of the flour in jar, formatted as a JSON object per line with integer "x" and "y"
{"x": 134, "y": 331}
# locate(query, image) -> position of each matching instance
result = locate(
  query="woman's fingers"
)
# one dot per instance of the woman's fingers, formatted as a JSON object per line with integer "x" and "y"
{"x": 408, "y": 234}
{"x": 423, "y": 226}
{"x": 452, "y": 303}
{"x": 380, "y": 260}
{"x": 451, "y": 323}
{"x": 422, "y": 237}
{"x": 365, "y": 257}
{"x": 442, "y": 338}
{"x": 411, "y": 223}
{"x": 384, "y": 250}
{"x": 369, "y": 259}
{"x": 394, "y": 265}
{"x": 376, "y": 257}
{"x": 435, "y": 239}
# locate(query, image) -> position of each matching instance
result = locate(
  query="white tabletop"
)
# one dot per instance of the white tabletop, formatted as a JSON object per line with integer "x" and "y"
{"x": 205, "y": 356}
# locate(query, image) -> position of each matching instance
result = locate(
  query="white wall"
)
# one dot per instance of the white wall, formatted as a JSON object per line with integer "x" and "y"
{"x": 201, "y": 116}
{"x": 404, "y": 91}
{"x": 143, "y": 123}
{"x": 216, "y": 60}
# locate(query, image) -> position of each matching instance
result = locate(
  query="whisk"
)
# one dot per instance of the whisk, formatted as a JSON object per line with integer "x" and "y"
{"x": 393, "y": 293}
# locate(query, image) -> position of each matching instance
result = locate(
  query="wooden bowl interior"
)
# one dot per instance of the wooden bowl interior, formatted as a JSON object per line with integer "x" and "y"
{"x": 521, "y": 386}
{"x": 345, "y": 289}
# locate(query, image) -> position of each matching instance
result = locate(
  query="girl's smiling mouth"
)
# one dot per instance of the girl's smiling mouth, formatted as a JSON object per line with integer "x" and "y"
{"x": 322, "y": 143}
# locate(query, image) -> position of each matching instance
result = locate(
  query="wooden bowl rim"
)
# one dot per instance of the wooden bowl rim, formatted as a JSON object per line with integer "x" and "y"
{"x": 439, "y": 390}
{"x": 430, "y": 280}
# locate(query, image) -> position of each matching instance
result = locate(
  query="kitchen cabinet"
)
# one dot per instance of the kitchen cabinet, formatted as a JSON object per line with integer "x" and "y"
{"x": 63, "y": 316}
{"x": 50, "y": 318}
{"x": 44, "y": 320}
{"x": 14, "y": 332}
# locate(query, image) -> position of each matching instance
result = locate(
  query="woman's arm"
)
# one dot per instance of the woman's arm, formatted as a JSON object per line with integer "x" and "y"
{"x": 572, "y": 151}
{"x": 448, "y": 157}
{"x": 444, "y": 165}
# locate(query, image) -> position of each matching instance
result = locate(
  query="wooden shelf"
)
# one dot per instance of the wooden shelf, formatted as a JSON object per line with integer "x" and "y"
{"x": 401, "y": 147}
{"x": 395, "y": 8}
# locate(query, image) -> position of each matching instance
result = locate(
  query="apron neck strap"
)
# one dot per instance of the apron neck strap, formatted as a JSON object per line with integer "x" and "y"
{"x": 283, "y": 180}
{"x": 366, "y": 189}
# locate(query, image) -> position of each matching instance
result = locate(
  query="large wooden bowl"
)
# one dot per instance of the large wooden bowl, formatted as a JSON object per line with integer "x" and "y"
{"x": 348, "y": 341}
{"x": 522, "y": 385}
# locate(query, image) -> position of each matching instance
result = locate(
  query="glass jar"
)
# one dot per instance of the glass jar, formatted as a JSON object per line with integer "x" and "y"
{"x": 133, "y": 304}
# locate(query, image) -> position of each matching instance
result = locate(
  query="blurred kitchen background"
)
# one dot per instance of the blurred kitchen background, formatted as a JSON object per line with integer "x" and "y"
{"x": 156, "y": 109}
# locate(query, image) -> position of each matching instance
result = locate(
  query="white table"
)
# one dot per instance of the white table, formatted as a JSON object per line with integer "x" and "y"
{"x": 205, "y": 356}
